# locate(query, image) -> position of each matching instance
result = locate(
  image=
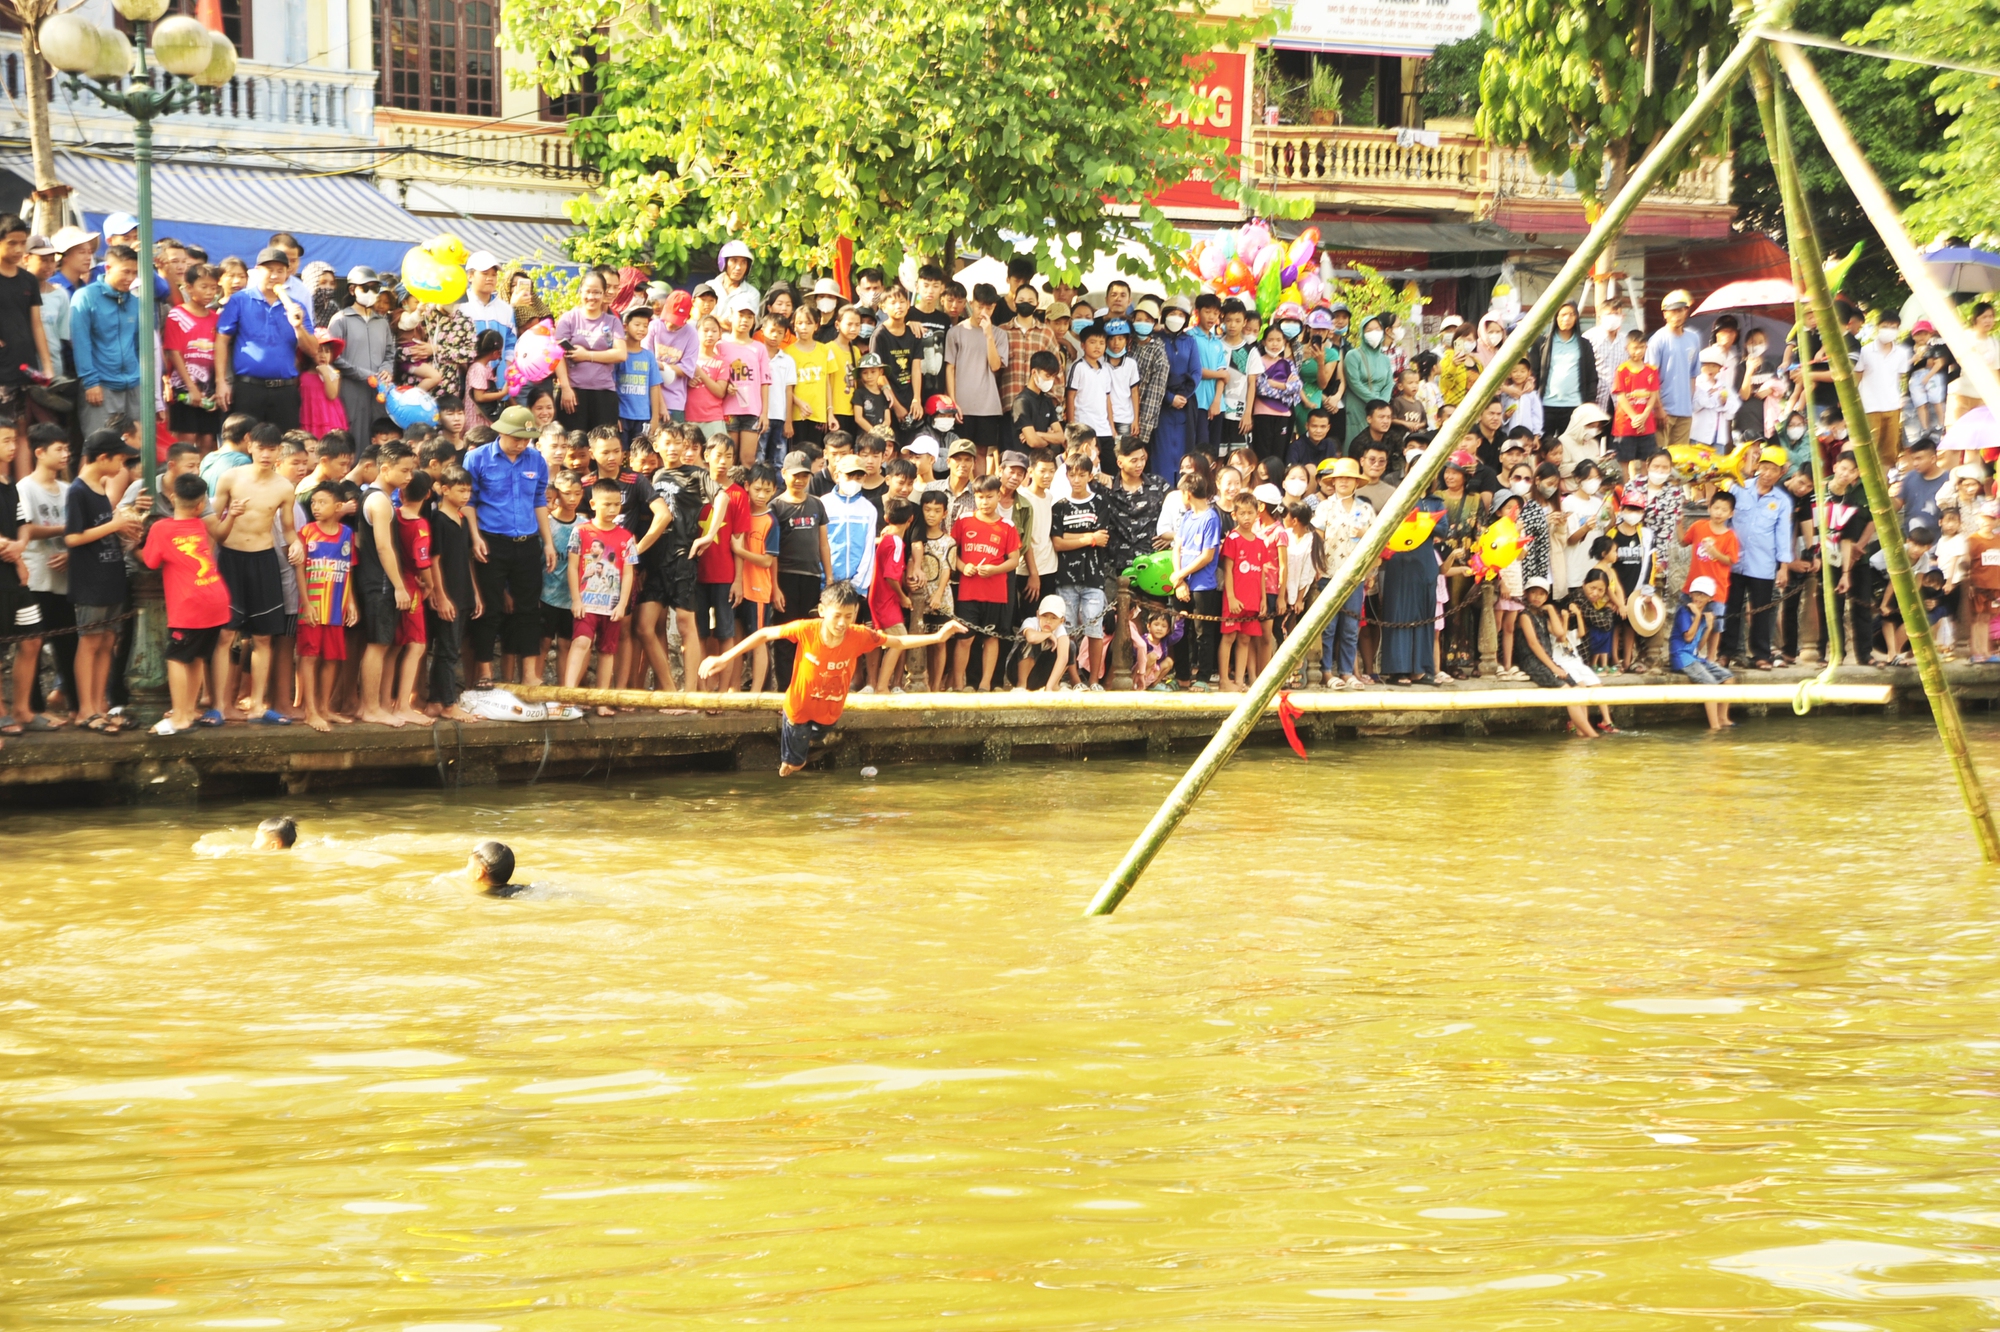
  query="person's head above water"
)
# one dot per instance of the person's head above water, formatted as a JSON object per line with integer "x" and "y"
{"x": 275, "y": 835}
{"x": 490, "y": 866}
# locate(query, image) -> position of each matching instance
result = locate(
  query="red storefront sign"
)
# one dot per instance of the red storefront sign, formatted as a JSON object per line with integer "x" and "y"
{"x": 1220, "y": 76}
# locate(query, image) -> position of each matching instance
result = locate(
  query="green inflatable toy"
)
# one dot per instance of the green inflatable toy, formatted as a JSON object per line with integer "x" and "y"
{"x": 1153, "y": 573}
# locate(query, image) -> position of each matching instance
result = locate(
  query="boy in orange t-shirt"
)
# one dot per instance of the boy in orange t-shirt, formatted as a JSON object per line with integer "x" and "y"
{"x": 1716, "y": 550}
{"x": 1635, "y": 399}
{"x": 828, "y": 647}
{"x": 755, "y": 543}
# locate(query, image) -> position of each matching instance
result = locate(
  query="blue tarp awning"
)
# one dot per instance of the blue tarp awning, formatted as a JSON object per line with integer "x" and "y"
{"x": 341, "y": 219}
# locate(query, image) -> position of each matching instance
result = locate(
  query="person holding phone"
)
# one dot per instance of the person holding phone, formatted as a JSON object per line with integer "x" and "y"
{"x": 594, "y": 344}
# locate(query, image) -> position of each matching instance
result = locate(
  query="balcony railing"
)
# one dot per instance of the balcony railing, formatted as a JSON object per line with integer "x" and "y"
{"x": 447, "y": 144}
{"x": 1355, "y": 165}
{"x": 263, "y": 106}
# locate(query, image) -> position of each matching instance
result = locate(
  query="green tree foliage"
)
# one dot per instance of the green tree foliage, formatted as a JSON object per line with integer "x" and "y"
{"x": 910, "y": 126}
{"x": 1956, "y": 182}
{"x": 1567, "y": 80}
{"x": 1451, "y": 77}
{"x": 1893, "y": 119}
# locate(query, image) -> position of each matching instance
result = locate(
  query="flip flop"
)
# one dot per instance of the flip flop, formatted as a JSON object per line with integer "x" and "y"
{"x": 272, "y": 717}
{"x": 11, "y": 727}
{"x": 39, "y": 723}
{"x": 213, "y": 717}
{"x": 97, "y": 722}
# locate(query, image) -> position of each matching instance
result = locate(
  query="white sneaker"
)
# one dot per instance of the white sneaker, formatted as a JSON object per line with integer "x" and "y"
{"x": 865, "y": 689}
{"x": 898, "y": 689}
{"x": 1096, "y": 688}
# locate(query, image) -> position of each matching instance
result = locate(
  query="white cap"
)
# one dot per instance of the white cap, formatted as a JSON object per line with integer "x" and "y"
{"x": 1052, "y": 605}
{"x": 923, "y": 444}
{"x": 1713, "y": 356}
{"x": 1704, "y": 585}
{"x": 1268, "y": 494}
{"x": 480, "y": 260}
{"x": 736, "y": 249}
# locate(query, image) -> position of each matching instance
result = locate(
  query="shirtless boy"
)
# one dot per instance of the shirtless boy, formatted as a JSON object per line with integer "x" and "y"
{"x": 260, "y": 501}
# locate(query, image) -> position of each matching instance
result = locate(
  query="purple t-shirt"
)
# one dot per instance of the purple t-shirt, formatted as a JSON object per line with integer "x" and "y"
{"x": 587, "y": 334}
{"x": 687, "y": 340}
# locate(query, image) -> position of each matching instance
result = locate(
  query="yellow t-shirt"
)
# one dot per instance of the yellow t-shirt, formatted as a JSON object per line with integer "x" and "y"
{"x": 842, "y": 377}
{"x": 810, "y": 358}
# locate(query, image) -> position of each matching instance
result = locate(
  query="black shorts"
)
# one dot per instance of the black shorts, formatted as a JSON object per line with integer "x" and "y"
{"x": 990, "y": 616}
{"x": 192, "y": 645}
{"x": 670, "y": 582}
{"x": 379, "y": 617}
{"x": 558, "y": 622}
{"x": 795, "y": 739}
{"x": 751, "y": 616}
{"x": 714, "y": 617}
{"x": 1633, "y": 448}
{"x": 256, "y": 591}
{"x": 740, "y": 423}
{"x": 981, "y": 430}
{"x": 184, "y": 419}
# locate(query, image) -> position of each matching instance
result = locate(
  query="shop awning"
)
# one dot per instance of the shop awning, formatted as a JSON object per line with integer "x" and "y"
{"x": 341, "y": 219}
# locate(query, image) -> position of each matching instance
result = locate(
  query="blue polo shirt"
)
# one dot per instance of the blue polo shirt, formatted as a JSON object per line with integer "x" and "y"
{"x": 1763, "y": 527}
{"x": 1676, "y": 357}
{"x": 263, "y": 343}
{"x": 507, "y": 493}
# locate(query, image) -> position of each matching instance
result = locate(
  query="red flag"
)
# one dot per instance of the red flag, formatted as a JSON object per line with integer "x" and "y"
{"x": 843, "y": 265}
{"x": 1288, "y": 713}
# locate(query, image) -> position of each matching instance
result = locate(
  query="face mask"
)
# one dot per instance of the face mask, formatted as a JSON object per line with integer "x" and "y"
{"x": 826, "y": 309}
{"x": 1885, "y": 336}
{"x": 1142, "y": 328}
{"x": 1043, "y": 383}
{"x": 868, "y": 330}
{"x": 1412, "y": 456}
{"x": 942, "y": 422}
{"x": 1078, "y": 325}
{"x": 848, "y": 486}
{"x": 414, "y": 319}
{"x": 1656, "y": 479}
{"x": 1114, "y": 356}
{"x": 1373, "y": 337}
{"x": 1796, "y": 432}
{"x": 1176, "y": 322}
{"x": 1547, "y": 487}
{"x": 1591, "y": 485}
{"x": 1492, "y": 338}
{"x": 1520, "y": 487}
{"x": 1290, "y": 329}
{"x": 1295, "y": 487}
{"x": 1756, "y": 351}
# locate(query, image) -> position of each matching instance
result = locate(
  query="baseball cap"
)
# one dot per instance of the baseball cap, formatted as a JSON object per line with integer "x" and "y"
{"x": 1268, "y": 494}
{"x": 103, "y": 442}
{"x": 849, "y": 465}
{"x": 41, "y": 245}
{"x": 796, "y": 462}
{"x": 480, "y": 260}
{"x": 923, "y": 444}
{"x": 680, "y": 305}
{"x": 708, "y": 289}
{"x": 1013, "y": 458}
{"x": 1679, "y": 299}
{"x": 270, "y": 254}
{"x": 117, "y": 224}
{"x": 1052, "y": 605}
{"x": 963, "y": 448}
{"x": 1923, "y": 533}
{"x": 1704, "y": 585}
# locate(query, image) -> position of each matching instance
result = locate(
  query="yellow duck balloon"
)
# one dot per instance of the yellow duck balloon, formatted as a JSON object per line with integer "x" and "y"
{"x": 1741, "y": 462}
{"x": 446, "y": 248}
{"x": 1501, "y": 544}
{"x": 1416, "y": 530}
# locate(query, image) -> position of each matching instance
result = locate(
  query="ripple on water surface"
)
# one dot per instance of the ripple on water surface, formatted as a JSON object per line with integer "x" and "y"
{"x": 1663, "y": 1032}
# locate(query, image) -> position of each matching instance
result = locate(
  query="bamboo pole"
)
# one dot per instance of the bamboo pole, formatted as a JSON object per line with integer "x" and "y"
{"x": 1145, "y": 705}
{"x": 1416, "y": 483}
{"x": 1805, "y": 249}
{"x": 1874, "y": 477}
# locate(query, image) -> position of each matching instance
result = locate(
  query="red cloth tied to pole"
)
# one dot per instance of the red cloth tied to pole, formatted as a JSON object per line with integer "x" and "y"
{"x": 1288, "y": 714}
{"x": 843, "y": 265}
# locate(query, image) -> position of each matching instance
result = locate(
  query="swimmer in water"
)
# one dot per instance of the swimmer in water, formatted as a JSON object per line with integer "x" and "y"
{"x": 490, "y": 869}
{"x": 277, "y": 834}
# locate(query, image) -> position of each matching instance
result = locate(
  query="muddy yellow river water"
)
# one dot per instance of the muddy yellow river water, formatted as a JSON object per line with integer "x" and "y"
{"x": 1666, "y": 1032}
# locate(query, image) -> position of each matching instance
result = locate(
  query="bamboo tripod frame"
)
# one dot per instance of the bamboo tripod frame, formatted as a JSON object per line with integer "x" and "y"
{"x": 1749, "y": 51}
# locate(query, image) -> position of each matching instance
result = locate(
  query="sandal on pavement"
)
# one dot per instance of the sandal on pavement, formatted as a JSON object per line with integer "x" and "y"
{"x": 271, "y": 717}
{"x": 97, "y": 722}
{"x": 213, "y": 717}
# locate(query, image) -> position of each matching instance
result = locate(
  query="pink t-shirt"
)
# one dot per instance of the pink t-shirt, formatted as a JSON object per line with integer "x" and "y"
{"x": 703, "y": 405}
{"x": 749, "y": 374}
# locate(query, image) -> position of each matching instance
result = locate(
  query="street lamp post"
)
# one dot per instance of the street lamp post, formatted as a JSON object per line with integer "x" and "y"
{"x": 100, "y": 59}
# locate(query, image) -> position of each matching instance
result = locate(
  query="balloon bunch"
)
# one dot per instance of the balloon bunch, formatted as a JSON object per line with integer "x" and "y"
{"x": 434, "y": 272}
{"x": 1250, "y": 262}
{"x": 536, "y": 355}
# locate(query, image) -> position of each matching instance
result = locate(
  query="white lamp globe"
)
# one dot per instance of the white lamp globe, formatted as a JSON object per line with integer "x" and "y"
{"x": 221, "y": 62}
{"x": 69, "y": 42}
{"x": 181, "y": 45}
{"x": 114, "y": 55}
{"x": 141, "y": 11}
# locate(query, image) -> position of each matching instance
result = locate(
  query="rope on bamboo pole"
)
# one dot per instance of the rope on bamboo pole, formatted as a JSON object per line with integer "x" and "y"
{"x": 1875, "y": 201}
